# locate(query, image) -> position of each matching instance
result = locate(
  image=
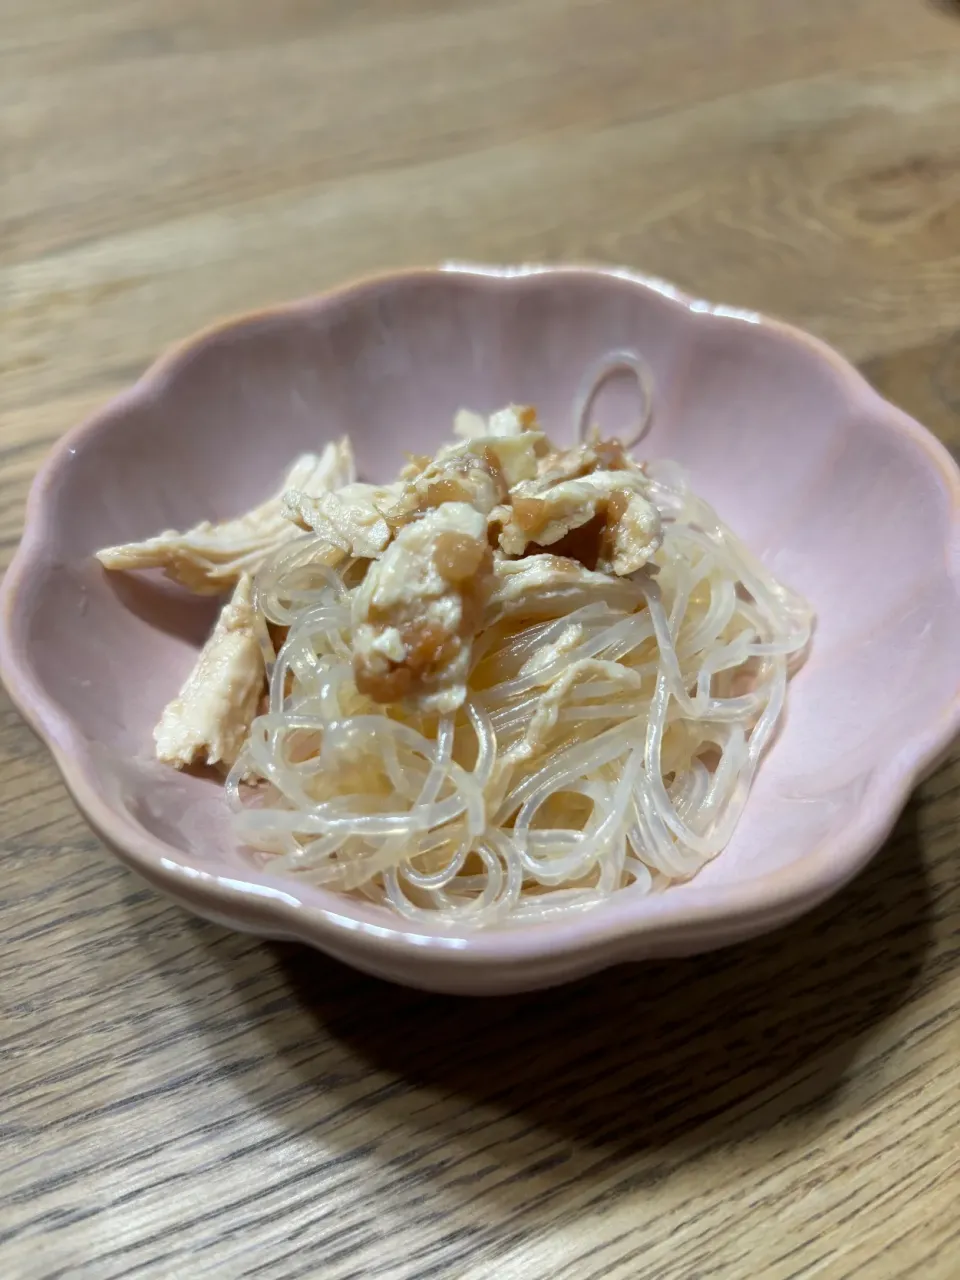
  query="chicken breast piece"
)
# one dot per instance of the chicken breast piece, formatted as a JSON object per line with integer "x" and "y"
{"x": 582, "y": 459}
{"x": 512, "y": 421}
{"x": 352, "y": 519}
{"x": 211, "y": 558}
{"x": 479, "y": 472}
{"x": 625, "y": 528}
{"x": 209, "y": 722}
{"x": 458, "y": 474}
{"x": 557, "y": 692}
{"x": 516, "y": 581}
{"x": 419, "y": 607}
{"x": 636, "y": 535}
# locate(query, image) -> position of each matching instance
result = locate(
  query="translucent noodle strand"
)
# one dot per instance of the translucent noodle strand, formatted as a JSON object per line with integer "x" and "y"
{"x": 619, "y": 759}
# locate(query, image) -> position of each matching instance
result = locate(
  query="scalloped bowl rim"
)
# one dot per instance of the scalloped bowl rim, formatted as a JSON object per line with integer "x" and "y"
{"x": 763, "y": 901}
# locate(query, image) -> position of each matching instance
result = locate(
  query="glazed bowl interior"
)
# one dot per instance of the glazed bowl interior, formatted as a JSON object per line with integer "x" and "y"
{"x": 844, "y": 498}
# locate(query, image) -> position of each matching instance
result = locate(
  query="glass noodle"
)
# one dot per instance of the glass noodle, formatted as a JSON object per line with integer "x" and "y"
{"x": 609, "y": 740}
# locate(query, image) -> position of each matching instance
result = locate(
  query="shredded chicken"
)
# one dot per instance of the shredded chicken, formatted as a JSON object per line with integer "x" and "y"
{"x": 467, "y": 425}
{"x": 419, "y": 607}
{"x": 547, "y": 654}
{"x": 512, "y": 421}
{"x": 558, "y": 691}
{"x": 626, "y": 528}
{"x": 582, "y": 459}
{"x": 211, "y": 558}
{"x": 456, "y": 474}
{"x": 353, "y": 519}
{"x": 495, "y": 455}
{"x": 210, "y": 720}
{"x": 480, "y": 472}
{"x": 514, "y": 580}
{"x": 486, "y": 524}
{"x": 637, "y": 536}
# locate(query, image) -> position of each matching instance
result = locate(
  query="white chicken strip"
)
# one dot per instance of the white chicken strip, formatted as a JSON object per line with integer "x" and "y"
{"x": 352, "y": 519}
{"x": 210, "y": 720}
{"x": 543, "y": 513}
{"x": 637, "y": 537}
{"x": 468, "y": 425}
{"x": 512, "y": 421}
{"x": 582, "y": 459}
{"x": 479, "y": 472}
{"x": 515, "y": 582}
{"x": 211, "y": 558}
{"x": 556, "y": 694}
{"x": 417, "y": 611}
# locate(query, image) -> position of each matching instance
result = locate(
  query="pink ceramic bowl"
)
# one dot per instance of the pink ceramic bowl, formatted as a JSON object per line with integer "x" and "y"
{"x": 845, "y": 497}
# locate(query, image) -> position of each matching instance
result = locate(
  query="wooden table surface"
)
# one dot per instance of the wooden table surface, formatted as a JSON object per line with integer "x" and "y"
{"x": 181, "y": 1102}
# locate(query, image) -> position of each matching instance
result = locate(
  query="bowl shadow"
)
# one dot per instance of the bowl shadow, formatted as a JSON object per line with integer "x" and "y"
{"x": 717, "y": 1047}
{"x": 166, "y": 607}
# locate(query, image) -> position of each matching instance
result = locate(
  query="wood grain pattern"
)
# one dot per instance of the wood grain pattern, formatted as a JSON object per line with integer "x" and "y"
{"x": 183, "y": 1102}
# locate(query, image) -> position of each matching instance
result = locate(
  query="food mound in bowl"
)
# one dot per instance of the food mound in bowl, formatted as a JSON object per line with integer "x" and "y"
{"x": 510, "y": 683}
